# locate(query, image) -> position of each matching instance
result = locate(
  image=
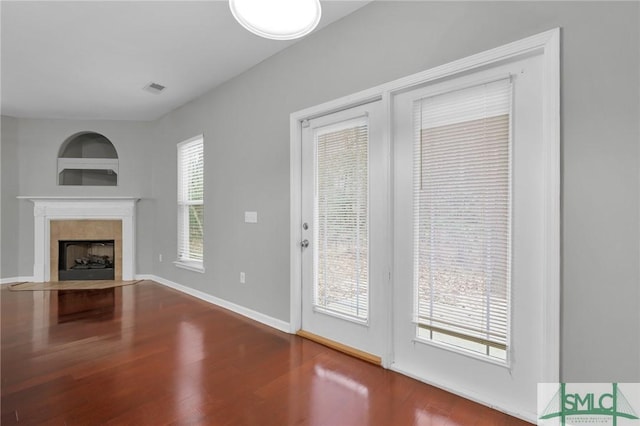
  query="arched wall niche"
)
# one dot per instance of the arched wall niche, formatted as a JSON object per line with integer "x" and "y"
{"x": 87, "y": 159}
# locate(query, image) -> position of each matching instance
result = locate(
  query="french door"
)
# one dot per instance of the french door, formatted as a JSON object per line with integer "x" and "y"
{"x": 344, "y": 228}
{"x": 429, "y": 223}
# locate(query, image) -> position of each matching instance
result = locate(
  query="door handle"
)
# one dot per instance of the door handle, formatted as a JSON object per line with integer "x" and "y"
{"x": 304, "y": 244}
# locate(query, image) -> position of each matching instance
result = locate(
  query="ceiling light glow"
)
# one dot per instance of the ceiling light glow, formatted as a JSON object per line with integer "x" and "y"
{"x": 277, "y": 19}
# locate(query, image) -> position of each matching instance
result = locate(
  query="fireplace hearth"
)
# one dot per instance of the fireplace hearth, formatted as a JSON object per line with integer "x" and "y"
{"x": 86, "y": 260}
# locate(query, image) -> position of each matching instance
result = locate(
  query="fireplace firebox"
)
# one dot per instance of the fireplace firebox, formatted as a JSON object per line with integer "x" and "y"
{"x": 86, "y": 260}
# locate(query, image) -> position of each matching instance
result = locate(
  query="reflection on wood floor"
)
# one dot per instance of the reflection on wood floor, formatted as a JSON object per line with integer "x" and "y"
{"x": 148, "y": 355}
{"x": 81, "y": 304}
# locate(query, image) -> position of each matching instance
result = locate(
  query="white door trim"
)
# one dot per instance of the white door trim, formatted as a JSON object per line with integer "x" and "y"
{"x": 548, "y": 45}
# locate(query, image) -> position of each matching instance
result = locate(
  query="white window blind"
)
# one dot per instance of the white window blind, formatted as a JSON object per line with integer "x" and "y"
{"x": 341, "y": 219}
{"x": 462, "y": 211}
{"x": 190, "y": 200}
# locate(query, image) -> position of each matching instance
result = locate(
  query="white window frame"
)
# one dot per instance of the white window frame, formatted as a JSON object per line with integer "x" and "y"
{"x": 194, "y": 265}
{"x": 359, "y": 120}
{"x": 458, "y": 343}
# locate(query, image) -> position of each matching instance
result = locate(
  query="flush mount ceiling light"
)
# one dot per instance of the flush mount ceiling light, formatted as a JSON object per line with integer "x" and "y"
{"x": 277, "y": 19}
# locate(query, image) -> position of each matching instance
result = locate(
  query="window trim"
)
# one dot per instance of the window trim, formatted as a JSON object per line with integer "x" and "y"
{"x": 187, "y": 263}
{"x": 192, "y": 265}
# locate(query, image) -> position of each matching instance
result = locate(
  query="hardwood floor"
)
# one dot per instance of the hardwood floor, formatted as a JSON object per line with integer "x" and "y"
{"x": 148, "y": 355}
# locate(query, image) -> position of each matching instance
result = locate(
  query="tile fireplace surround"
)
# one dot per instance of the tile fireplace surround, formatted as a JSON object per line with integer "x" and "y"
{"x": 93, "y": 210}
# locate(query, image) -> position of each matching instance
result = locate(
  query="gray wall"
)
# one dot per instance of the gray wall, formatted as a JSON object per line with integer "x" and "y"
{"x": 34, "y": 170}
{"x": 246, "y": 122}
{"x": 9, "y": 231}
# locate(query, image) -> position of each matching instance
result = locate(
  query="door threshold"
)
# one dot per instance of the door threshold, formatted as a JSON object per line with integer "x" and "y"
{"x": 356, "y": 353}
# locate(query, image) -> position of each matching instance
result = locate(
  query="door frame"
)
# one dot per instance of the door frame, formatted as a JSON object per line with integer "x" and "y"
{"x": 365, "y": 335}
{"x": 548, "y": 45}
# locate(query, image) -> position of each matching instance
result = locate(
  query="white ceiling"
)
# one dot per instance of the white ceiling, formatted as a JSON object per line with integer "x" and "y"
{"x": 92, "y": 59}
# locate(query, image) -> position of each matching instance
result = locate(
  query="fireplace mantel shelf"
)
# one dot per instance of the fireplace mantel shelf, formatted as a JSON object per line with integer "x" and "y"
{"x": 74, "y": 198}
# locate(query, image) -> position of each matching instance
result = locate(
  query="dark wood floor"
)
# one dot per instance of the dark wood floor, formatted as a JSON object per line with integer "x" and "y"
{"x": 148, "y": 355}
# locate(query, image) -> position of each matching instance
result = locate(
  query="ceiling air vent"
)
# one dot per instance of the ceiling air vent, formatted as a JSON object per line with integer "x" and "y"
{"x": 154, "y": 88}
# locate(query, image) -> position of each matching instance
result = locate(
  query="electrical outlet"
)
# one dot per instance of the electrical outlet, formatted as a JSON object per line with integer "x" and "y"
{"x": 251, "y": 217}
{"x": 159, "y": 258}
{"x": 242, "y": 278}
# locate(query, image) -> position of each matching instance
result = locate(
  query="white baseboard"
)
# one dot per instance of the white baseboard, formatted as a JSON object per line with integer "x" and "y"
{"x": 246, "y": 312}
{"x": 449, "y": 387}
{"x": 11, "y": 280}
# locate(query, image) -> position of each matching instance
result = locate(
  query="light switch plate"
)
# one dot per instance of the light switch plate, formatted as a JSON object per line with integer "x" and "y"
{"x": 251, "y": 217}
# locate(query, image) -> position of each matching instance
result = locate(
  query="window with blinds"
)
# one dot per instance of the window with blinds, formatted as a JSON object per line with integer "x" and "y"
{"x": 462, "y": 211}
{"x": 341, "y": 219}
{"x": 191, "y": 202}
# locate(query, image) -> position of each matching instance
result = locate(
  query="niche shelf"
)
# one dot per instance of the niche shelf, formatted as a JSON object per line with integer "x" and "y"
{"x": 88, "y": 159}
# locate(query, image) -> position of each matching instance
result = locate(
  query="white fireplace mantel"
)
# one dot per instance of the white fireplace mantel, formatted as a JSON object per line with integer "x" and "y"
{"x": 46, "y": 209}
